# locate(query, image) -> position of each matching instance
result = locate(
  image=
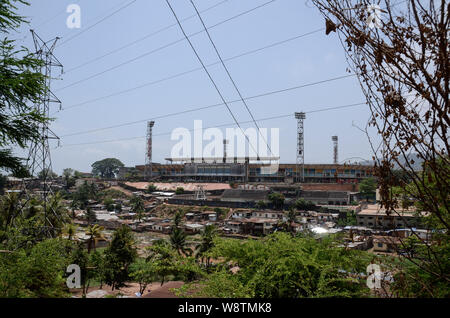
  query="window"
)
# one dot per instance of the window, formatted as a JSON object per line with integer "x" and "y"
{"x": 380, "y": 244}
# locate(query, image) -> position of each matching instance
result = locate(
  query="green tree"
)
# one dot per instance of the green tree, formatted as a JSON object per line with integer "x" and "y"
{"x": 137, "y": 206}
{"x": 283, "y": 266}
{"x": 144, "y": 273}
{"x": 178, "y": 236}
{"x": 21, "y": 86}
{"x": 151, "y": 188}
{"x": 163, "y": 257}
{"x": 94, "y": 232}
{"x": 367, "y": 187}
{"x": 119, "y": 255}
{"x": 47, "y": 174}
{"x": 179, "y": 190}
{"x": 206, "y": 244}
{"x": 107, "y": 168}
{"x": 277, "y": 200}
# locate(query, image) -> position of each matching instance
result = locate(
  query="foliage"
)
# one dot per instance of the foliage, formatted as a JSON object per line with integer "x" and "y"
{"x": 179, "y": 190}
{"x": 350, "y": 219}
{"x": 403, "y": 68}
{"x": 144, "y": 273}
{"x": 282, "y": 266}
{"x": 302, "y": 204}
{"x": 21, "y": 86}
{"x": 95, "y": 234}
{"x": 119, "y": 255}
{"x": 36, "y": 272}
{"x": 137, "y": 206}
{"x": 261, "y": 204}
{"x": 178, "y": 236}
{"x": 84, "y": 193}
{"x": 367, "y": 187}
{"x": 107, "y": 168}
{"x": 206, "y": 244}
{"x": 277, "y": 199}
{"x": 151, "y": 188}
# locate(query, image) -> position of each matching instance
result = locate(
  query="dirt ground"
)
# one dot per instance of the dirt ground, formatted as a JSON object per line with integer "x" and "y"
{"x": 154, "y": 290}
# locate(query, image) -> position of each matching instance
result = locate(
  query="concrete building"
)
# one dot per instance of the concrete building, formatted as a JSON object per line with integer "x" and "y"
{"x": 373, "y": 216}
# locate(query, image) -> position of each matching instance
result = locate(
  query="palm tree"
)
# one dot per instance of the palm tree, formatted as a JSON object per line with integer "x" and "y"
{"x": 291, "y": 219}
{"x": 137, "y": 206}
{"x": 70, "y": 229}
{"x": 178, "y": 236}
{"x": 57, "y": 214}
{"x": 95, "y": 233}
{"x": 206, "y": 244}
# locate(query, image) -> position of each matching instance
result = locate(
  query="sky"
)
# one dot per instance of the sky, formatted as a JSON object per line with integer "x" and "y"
{"x": 312, "y": 58}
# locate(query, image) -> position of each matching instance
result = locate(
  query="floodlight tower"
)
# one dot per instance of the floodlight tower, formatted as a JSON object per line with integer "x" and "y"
{"x": 148, "y": 156}
{"x": 335, "y": 149}
{"x": 300, "y": 146}
{"x": 225, "y": 143}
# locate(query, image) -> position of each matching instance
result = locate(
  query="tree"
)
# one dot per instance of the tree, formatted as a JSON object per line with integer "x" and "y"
{"x": 69, "y": 178}
{"x": 70, "y": 229}
{"x": 3, "y": 181}
{"x": 21, "y": 86}
{"x": 95, "y": 233}
{"x": 163, "y": 257}
{"x": 277, "y": 199}
{"x": 107, "y": 168}
{"x": 91, "y": 217}
{"x": 403, "y": 68}
{"x": 206, "y": 244}
{"x": 47, "y": 174}
{"x": 109, "y": 203}
{"x": 282, "y": 266}
{"x": 84, "y": 193}
{"x": 179, "y": 190}
{"x": 119, "y": 255}
{"x": 35, "y": 272}
{"x": 367, "y": 187}
{"x": 261, "y": 204}
{"x": 144, "y": 273}
{"x": 151, "y": 188}
{"x": 137, "y": 206}
{"x": 178, "y": 236}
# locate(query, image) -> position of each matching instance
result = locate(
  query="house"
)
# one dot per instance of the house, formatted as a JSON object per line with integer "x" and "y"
{"x": 386, "y": 244}
{"x": 268, "y": 214}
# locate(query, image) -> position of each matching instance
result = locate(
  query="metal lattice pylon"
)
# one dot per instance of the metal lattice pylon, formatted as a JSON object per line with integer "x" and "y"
{"x": 200, "y": 193}
{"x": 39, "y": 159}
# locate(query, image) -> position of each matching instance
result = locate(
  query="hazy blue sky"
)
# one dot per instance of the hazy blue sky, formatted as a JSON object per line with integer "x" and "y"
{"x": 309, "y": 59}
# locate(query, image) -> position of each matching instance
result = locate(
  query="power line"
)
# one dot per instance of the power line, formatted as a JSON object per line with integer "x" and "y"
{"x": 98, "y": 22}
{"x": 221, "y": 125}
{"x": 159, "y": 48}
{"x": 140, "y": 39}
{"x": 193, "y": 70}
{"x": 210, "y": 106}
{"x": 229, "y": 75}
{"x": 210, "y": 77}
